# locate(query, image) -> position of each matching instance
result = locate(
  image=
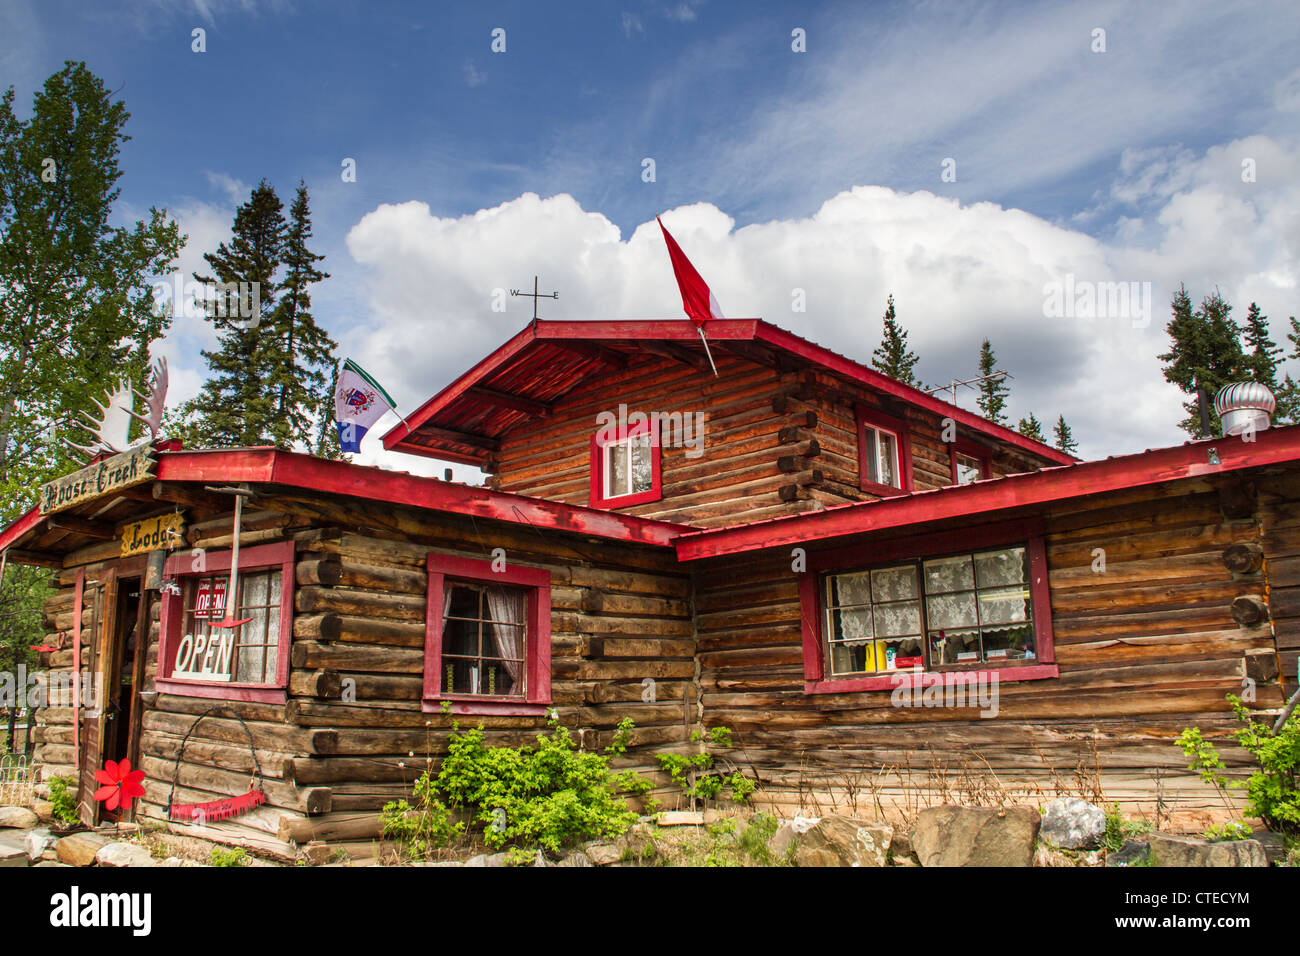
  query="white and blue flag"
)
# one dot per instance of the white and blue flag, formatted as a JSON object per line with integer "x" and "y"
{"x": 359, "y": 402}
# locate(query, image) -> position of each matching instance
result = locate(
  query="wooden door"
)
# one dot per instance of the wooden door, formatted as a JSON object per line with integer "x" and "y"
{"x": 99, "y": 594}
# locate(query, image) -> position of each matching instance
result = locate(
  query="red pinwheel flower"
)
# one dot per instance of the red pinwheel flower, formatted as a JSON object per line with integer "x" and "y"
{"x": 120, "y": 785}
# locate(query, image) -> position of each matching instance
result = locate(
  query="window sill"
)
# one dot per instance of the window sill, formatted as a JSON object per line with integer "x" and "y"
{"x": 217, "y": 690}
{"x": 924, "y": 679}
{"x": 626, "y": 501}
{"x": 487, "y": 707}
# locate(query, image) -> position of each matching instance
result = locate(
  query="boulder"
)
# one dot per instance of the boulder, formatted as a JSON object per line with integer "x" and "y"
{"x": 13, "y": 851}
{"x": 832, "y": 840}
{"x": 1169, "y": 849}
{"x": 18, "y": 818}
{"x": 1274, "y": 845}
{"x": 79, "y": 849}
{"x": 576, "y": 858}
{"x": 901, "y": 851}
{"x": 603, "y": 854}
{"x": 488, "y": 859}
{"x": 1132, "y": 853}
{"x": 124, "y": 854}
{"x": 38, "y": 842}
{"x": 976, "y": 836}
{"x": 44, "y": 811}
{"x": 681, "y": 818}
{"x": 1073, "y": 824}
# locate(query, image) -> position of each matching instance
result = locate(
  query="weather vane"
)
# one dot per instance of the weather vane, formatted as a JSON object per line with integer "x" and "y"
{"x": 535, "y": 295}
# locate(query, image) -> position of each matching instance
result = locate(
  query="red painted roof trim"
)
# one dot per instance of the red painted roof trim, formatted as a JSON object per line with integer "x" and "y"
{"x": 272, "y": 466}
{"x": 1275, "y": 446}
{"x": 682, "y": 330}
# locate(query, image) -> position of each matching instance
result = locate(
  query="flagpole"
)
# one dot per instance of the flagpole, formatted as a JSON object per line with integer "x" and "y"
{"x": 703, "y": 339}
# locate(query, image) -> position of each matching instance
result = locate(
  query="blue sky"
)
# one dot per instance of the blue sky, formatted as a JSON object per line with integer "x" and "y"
{"x": 1120, "y": 162}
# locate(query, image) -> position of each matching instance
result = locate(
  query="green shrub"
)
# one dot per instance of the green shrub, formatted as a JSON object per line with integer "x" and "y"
{"x": 710, "y": 780}
{"x": 1236, "y": 830}
{"x": 236, "y": 856}
{"x": 63, "y": 796}
{"x": 548, "y": 796}
{"x": 1272, "y": 791}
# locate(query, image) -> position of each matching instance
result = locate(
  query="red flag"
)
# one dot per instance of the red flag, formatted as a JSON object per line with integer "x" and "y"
{"x": 697, "y": 299}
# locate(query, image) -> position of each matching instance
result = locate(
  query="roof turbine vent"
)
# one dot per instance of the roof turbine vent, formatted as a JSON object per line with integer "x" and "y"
{"x": 1244, "y": 406}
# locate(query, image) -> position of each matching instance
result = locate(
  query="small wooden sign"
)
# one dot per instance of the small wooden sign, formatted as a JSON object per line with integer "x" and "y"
{"x": 151, "y": 534}
{"x": 129, "y": 468}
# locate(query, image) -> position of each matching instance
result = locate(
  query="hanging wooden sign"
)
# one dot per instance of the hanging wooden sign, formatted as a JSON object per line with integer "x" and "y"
{"x": 151, "y": 534}
{"x": 114, "y": 473}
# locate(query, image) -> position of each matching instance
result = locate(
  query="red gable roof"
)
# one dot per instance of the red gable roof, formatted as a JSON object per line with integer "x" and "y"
{"x": 523, "y": 378}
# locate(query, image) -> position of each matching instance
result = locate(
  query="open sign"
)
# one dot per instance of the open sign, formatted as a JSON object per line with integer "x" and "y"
{"x": 210, "y": 603}
{"x": 205, "y": 656}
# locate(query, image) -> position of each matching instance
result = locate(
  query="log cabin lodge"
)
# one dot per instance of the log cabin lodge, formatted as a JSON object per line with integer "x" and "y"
{"x": 824, "y": 538}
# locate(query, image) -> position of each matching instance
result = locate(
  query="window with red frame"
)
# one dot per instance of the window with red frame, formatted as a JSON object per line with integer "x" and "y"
{"x": 625, "y": 466}
{"x": 969, "y": 462}
{"x": 884, "y": 453}
{"x": 982, "y": 608}
{"x": 249, "y": 661}
{"x": 487, "y": 637}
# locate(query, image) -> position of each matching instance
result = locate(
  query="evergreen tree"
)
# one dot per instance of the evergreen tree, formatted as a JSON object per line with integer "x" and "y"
{"x": 1031, "y": 427}
{"x": 1206, "y": 354}
{"x": 993, "y": 391}
{"x": 1261, "y": 351}
{"x": 893, "y": 358}
{"x": 1288, "y": 392}
{"x": 1064, "y": 438}
{"x": 298, "y": 355}
{"x": 239, "y": 401}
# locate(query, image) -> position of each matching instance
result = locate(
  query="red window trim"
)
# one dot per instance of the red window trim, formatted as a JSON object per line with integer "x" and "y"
{"x": 654, "y": 493}
{"x": 972, "y": 449}
{"x": 537, "y": 699}
{"x": 876, "y": 419}
{"x": 255, "y": 558}
{"x": 1029, "y": 532}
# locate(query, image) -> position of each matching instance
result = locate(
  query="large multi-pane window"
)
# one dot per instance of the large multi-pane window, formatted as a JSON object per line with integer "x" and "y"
{"x": 484, "y": 646}
{"x": 970, "y": 609}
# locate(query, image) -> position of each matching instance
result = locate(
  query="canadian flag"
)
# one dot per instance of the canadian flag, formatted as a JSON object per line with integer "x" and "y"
{"x": 697, "y": 299}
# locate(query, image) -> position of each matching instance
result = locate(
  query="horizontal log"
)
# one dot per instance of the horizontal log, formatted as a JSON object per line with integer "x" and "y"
{"x": 1243, "y": 557}
{"x": 357, "y": 657}
{"x": 318, "y": 683}
{"x": 402, "y": 607}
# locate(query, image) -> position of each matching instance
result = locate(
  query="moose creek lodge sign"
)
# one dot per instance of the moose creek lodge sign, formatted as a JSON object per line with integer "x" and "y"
{"x": 131, "y": 467}
{"x": 152, "y": 534}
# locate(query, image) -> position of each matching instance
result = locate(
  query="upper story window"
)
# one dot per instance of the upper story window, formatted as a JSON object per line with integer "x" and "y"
{"x": 884, "y": 453}
{"x": 247, "y": 662}
{"x": 910, "y": 607}
{"x": 969, "y": 462}
{"x": 625, "y": 466}
{"x": 487, "y": 637}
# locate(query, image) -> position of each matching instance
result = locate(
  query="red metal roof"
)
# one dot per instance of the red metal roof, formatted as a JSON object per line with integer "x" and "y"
{"x": 544, "y": 362}
{"x": 275, "y": 467}
{"x": 993, "y": 495}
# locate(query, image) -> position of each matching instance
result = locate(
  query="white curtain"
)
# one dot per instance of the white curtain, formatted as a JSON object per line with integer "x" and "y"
{"x": 507, "y": 608}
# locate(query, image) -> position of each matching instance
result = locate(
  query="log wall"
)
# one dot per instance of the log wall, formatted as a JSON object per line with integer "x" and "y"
{"x": 776, "y": 443}
{"x": 1145, "y": 648}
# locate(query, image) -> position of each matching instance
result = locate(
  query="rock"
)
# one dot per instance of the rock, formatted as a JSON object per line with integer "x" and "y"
{"x": 901, "y": 851}
{"x": 79, "y": 849}
{"x": 681, "y": 818}
{"x": 604, "y": 854}
{"x": 44, "y": 811}
{"x": 488, "y": 859}
{"x": 124, "y": 854}
{"x": 1132, "y": 853}
{"x": 18, "y": 818}
{"x": 832, "y": 840}
{"x": 172, "y": 861}
{"x": 53, "y": 863}
{"x": 576, "y": 858}
{"x": 38, "y": 842}
{"x": 1274, "y": 845}
{"x": 13, "y": 849}
{"x": 1073, "y": 824}
{"x": 1168, "y": 849}
{"x": 638, "y": 842}
{"x": 1047, "y": 855}
{"x": 976, "y": 836}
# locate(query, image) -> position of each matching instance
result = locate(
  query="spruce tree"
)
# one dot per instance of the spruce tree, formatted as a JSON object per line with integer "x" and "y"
{"x": 1064, "y": 438}
{"x": 993, "y": 391}
{"x": 1288, "y": 392}
{"x": 297, "y": 355}
{"x": 1206, "y": 354}
{"x": 1031, "y": 427}
{"x": 1261, "y": 351}
{"x": 893, "y": 358}
{"x": 238, "y": 401}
